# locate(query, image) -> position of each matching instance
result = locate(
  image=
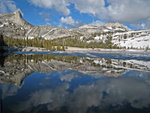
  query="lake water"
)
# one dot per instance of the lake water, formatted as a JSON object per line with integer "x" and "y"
{"x": 75, "y": 82}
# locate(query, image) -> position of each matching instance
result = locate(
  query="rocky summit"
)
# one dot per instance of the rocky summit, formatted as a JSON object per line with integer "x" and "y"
{"x": 13, "y": 25}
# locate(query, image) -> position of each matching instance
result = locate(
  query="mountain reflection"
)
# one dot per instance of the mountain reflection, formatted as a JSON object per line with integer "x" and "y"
{"x": 17, "y": 67}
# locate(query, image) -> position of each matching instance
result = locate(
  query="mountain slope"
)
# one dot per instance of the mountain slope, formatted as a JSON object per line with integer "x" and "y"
{"x": 13, "y": 25}
{"x": 133, "y": 39}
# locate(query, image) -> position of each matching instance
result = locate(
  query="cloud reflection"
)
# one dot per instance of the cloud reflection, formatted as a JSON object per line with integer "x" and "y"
{"x": 101, "y": 94}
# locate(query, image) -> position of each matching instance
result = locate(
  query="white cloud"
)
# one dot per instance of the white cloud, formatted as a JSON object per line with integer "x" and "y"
{"x": 7, "y": 6}
{"x": 69, "y": 22}
{"x": 59, "y": 5}
{"x": 118, "y": 10}
{"x": 123, "y": 11}
{"x": 89, "y": 6}
{"x": 128, "y": 11}
{"x": 145, "y": 24}
{"x": 98, "y": 23}
{"x": 47, "y": 17}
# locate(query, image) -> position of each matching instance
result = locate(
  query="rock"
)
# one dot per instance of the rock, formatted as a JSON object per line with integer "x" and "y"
{"x": 116, "y": 25}
{"x": 13, "y": 25}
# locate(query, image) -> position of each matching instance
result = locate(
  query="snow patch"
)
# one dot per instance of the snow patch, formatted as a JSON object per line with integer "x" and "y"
{"x": 139, "y": 43}
{"x": 97, "y": 38}
{"x": 2, "y": 25}
{"x": 81, "y": 38}
{"x": 109, "y": 28}
{"x": 106, "y": 30}
{"x": 1, "y": 71}
{"x": 31, "y": 37}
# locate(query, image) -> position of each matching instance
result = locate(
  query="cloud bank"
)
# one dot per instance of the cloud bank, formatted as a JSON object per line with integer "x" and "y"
{"x": 7, "y": 6}
{"x": 69, "y": 22}
{"x": 59, "y": 5}
{"x": 123, "y": 11}
{"x": 135, "y": 12}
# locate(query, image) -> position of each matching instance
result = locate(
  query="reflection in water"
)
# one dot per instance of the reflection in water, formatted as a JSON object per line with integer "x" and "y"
{"x": 73, "y": 92}
{"x": 68, "y": 84}
{"x": 17, "y": 67}
{"x": 2, "y": 58}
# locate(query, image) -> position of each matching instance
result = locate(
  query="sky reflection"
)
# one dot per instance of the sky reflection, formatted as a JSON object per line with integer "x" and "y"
{"x": 70, "y": 91}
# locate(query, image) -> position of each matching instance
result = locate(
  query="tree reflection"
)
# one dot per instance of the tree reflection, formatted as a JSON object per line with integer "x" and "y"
{"x": 2, "y": 51}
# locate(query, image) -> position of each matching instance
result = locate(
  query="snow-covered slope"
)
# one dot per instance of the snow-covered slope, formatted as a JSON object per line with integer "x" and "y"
{"x": 124, "y": 38}
{"x": 132, "y": 39}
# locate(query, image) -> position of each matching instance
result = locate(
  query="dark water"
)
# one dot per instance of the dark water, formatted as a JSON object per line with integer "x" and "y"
{"x": 75, "y": 83}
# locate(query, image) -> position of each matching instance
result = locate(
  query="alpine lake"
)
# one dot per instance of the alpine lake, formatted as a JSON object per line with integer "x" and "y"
{"x": 75, "y": 82}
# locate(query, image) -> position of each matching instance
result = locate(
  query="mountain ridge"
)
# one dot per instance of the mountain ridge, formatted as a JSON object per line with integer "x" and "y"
{"x": 17, "y": 19}
{"x": 13, "y": 25}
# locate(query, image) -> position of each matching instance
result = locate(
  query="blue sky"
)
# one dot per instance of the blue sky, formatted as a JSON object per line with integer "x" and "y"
{"x": 74, "y": 13}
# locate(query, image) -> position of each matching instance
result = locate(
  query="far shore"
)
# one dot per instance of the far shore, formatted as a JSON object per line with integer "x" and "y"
{"x": 77, "y": 49}
{"x": 73, "y": 49}
{"x": 102, "y": 49}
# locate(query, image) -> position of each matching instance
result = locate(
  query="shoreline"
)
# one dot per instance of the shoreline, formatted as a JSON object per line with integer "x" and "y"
{"x": 102, "y": 49}
{"x": 72, "y": 49}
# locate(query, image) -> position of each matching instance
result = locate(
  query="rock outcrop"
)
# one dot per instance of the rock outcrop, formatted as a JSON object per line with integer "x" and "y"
{"x": 116, "y": 25}
{"x": 13, "y": 25}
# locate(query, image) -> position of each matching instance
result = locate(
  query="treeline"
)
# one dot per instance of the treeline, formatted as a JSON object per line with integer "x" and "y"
{"x": 60, "y": 44}
{"x": 76, "y": 42}
{"x": 36, "y": 42}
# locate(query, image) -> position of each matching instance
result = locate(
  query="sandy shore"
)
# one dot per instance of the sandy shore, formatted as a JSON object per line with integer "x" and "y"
{"x": 101, "y": 49}
{"x": 91, "y": 49}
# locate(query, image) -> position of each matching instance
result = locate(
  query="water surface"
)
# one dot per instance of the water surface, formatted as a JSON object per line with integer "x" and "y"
{"x": 62, "y": 82}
